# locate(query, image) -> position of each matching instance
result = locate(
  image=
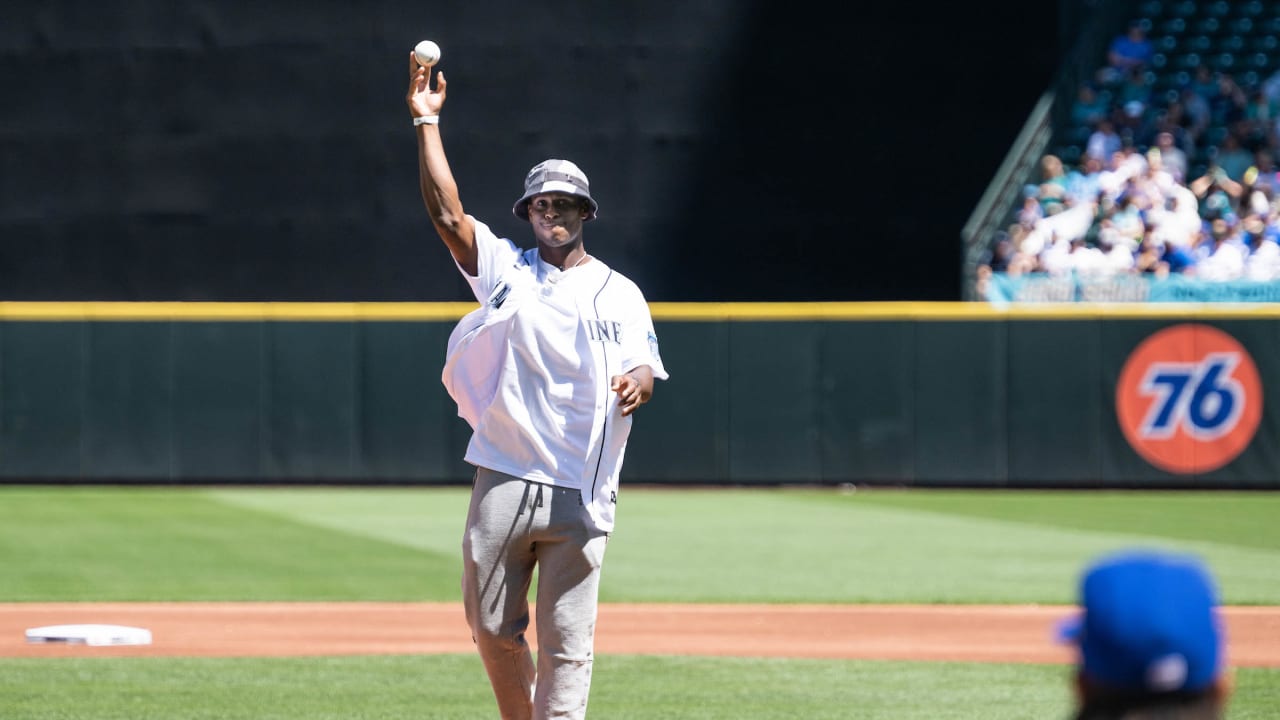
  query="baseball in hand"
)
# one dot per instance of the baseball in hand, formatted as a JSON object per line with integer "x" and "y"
{"x": 427, "y": 53}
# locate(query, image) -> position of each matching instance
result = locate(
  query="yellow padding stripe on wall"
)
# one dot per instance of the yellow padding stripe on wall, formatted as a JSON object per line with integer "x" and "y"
{"x": 685, "y": 312}
{"x": 248, "y": 311}
{"x": 955, "y": 311}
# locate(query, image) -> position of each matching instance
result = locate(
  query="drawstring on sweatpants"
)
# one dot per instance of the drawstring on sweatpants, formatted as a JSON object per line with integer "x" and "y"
{"x": 535, "y": 502}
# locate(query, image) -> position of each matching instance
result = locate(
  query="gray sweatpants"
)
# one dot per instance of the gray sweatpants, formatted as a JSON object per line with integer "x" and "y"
{"x": 513, "y": 525}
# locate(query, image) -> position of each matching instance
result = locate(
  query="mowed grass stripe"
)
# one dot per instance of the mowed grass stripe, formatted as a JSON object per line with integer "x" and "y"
{"x": 804, "y": 545}
{"x": 148, "y": 544}
{"x": 624, "y": 688}
{"x": 1246, "y": 519}
{"x": 430, "y": 519}
{"x": 454, "y": 687}
{"x": 790, "y": 545}
{"x": 745, "y": 545}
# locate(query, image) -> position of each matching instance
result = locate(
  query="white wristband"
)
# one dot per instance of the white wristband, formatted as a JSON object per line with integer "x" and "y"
{"x": 426, "y": 120}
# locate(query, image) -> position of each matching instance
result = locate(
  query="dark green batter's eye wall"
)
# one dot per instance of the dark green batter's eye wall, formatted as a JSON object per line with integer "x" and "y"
{"x": 930, "y": 395}
{"x": 891, "y": 394}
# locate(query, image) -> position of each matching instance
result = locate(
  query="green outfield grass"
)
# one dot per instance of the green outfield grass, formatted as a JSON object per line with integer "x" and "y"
{"x": 732, "y": 545}
{"x": 741, "y": 545}
{"x": 453, "y": 687}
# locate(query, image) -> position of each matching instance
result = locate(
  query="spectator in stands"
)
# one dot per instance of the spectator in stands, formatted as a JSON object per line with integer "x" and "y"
{"x": 1155, "y": 186}
{"x": 1032, "y": 211}
{"x": 1233, "y": 157}
{"x": 1204, "y": 82}
{"x": 1217, "y": 193}
{"x": 1020, "y": 261}
{"x": 1178, "y": 259}
{"x": 1133, "y": 106}
{"x": 1172, "y": 157}
{"x": 1127, "y": 52}
{"x": 1132, "y": 123}
{"x": 1089, "y": 106}
{"x": 1150, "y": 640}
{"x": 1052, "y": 190}
{"x": 1196, "y": 115}
{"x": 1131, "y": 159}
{"x": 1123, "y": 166}
{"x": 1219, "y": 255}
{"x": 1263, "y": 242}
{"x": 1262, "y": 177}
{"x": 1083, "y": 259}
{"x": 1113, "y": 257}
{"x": 1271, "y": 86}
{"x": 1005, "y": 257}
{"x": 1227, "y": 103}
{"x": 1082, "y": 181}
{"x": 1149, "y": 259}
{"x": 1261, "y": 115}
{"x": 1174, "y": 120}
{"x": 1127, "y": 225}
{"x": 1000, "y": 254}
{"x": 1029, "y": 242}
{"x": 1179, "y": 222}
{"x": 1104, "y": 141}
{"x": 1055, "y": 258}
{"x": 1136, "y": 86}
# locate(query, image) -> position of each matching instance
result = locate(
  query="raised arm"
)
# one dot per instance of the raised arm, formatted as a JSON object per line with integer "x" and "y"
{"x": 435, "y": 179}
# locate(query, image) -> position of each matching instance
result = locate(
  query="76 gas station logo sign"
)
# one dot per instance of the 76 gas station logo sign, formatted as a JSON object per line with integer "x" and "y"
{"x": 1189, "y": 399}
{"x": 1201, "y": 399}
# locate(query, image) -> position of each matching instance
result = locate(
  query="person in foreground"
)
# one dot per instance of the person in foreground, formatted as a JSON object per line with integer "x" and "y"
{"x": 1150, "y": 640}
{"x": 548, "y": 372}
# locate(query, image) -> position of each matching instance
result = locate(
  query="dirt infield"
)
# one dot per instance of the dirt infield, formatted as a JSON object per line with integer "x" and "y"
{"x": 970, "y": 633}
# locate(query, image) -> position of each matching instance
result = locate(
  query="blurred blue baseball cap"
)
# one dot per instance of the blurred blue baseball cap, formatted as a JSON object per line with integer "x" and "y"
{"x": 1149, "y": 623}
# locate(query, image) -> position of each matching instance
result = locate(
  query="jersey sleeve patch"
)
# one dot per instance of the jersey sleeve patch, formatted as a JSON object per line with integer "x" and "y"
{"x": 653, "y": 346}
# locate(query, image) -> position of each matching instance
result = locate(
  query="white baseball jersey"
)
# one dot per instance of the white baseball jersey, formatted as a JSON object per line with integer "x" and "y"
{"x": 530, "y": 369}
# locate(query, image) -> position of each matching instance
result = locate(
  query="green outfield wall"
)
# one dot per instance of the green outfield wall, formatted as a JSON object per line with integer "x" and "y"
{"x": 896, "y": 393}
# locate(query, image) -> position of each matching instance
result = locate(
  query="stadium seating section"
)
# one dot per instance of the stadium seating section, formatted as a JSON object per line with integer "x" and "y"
{"x": 1241, "y": 38}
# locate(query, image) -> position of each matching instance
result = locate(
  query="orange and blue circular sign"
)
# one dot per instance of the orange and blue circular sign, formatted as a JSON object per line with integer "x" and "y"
{"x": 1189, "y": 398}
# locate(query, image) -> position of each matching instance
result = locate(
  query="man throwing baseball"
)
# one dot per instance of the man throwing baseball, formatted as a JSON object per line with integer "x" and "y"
{"x": 548, "y": 372}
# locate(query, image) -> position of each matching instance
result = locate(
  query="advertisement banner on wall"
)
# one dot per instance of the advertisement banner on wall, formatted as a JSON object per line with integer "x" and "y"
{"x": 1003, "y": 290}
{"x": 1191, "y": 400}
